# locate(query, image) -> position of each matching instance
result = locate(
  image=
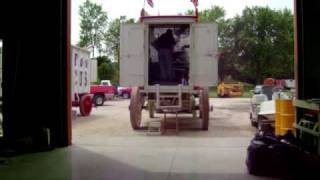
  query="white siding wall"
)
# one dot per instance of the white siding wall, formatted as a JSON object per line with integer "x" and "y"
{"x": 80, "y": 71}
{"x": 93, "y": 70}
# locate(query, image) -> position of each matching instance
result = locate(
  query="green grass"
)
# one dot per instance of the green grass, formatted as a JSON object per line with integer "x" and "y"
{"x": 247, "y": 87}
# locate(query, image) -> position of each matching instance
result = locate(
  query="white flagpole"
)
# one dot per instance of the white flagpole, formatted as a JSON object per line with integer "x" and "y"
{"x": 142, "y": 10}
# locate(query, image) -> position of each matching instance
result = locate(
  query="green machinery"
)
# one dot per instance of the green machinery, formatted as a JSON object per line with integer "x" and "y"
{"x": 308, "y": 123}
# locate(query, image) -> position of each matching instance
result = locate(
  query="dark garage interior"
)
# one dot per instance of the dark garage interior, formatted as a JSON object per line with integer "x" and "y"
{"x": 36, "y": 42}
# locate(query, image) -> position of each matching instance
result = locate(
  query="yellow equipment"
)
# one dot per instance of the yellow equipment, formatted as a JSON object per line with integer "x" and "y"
{"x": 230, "y": 89}
{"x": 285, "y": 116}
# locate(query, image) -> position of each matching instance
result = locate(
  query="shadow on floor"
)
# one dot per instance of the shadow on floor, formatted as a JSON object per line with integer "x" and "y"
{"x": 77, "y": 163}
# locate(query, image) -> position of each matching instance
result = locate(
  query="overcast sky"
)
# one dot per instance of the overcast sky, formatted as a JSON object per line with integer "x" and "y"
{"x": 131, "y": 8}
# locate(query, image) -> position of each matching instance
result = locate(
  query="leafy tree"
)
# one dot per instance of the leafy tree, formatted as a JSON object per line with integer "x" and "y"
{"x": 108, "y": 69}
{"x": 226, "y": 56}
{"x": 105, "y": 71}
{"x": 93, "y": 24}
{"x": 213, "y": 14}
{"x": 115, "y": 78}
{"x": 255, "y": 45}
{"x": 262, "y": 43}
{"x": 103, "y": 59}
{"x": 112, "y": 37}
{"x": 112, "y": 41}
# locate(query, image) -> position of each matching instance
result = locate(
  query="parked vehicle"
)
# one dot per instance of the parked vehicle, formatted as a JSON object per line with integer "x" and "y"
{"x": 262, "y": 111}
{"x": 102, "y": 92}
{"x": 289, "y": 83}
{"x": 256, "y": 101}
{"x": 263, "y": 94}
{"x": 257, "y": 89}
{"x": 281, "y": 83}
{"x": 124, "y": 92}
{"x": 266, "y": 116}
{"x": 105, "y": 83}
{"x": 230, "y": 89}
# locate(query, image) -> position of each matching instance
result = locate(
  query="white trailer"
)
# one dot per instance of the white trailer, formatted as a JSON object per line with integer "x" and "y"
{"x": 93, "y": 70}
{"x": 81, "y": 79}
{"x": 194, "y": 66}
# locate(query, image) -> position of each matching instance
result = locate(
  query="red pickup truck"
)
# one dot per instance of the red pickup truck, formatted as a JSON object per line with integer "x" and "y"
{"x": 102, "y": 92}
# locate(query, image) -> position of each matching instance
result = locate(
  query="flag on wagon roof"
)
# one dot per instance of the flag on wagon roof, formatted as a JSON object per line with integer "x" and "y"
{"x": 195, "y": 2}
{"x": 150, "y": 2}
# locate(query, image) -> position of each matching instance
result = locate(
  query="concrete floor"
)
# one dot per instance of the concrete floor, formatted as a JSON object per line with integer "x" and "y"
{"x": 104, "y": 152}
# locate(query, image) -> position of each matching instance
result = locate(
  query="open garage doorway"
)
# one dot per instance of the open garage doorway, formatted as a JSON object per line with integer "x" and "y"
{"x": 120, "y": 128}
{"x": 238, "y": 70}
{"x": 105, "y": 144}
{"x": 109, "y": 127}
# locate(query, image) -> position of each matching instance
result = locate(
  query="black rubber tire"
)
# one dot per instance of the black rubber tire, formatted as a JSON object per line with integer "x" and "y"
{"x": 98, "y": 100}
{"x": 125, "y": 95}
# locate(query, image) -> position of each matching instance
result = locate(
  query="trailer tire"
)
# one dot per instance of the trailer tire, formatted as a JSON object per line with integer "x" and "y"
{"x": 98, "y": 100}
{"x": 85, "y": 105}
{"x": 204, "y": 108}
{"x": 126, "y": 95}
{"x": 135, "y": 107}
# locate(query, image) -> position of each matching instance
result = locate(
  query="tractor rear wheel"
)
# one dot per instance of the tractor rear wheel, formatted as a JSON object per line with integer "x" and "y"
{"x": 204, "y": 108}
{"x": 85, "y": 105}
{"x": 135, "y": 108}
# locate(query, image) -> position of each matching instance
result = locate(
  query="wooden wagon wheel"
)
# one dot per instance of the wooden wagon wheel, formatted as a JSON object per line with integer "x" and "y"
{"x": 204, "y": 108}
{"x": 135, "y": 108}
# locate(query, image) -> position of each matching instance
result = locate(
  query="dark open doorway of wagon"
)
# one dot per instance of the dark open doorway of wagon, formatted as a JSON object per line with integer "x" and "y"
{"x": 169, "y": 54}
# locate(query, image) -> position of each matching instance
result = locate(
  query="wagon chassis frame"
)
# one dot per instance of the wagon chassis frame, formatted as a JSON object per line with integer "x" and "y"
{"x": 149, "y": 100}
